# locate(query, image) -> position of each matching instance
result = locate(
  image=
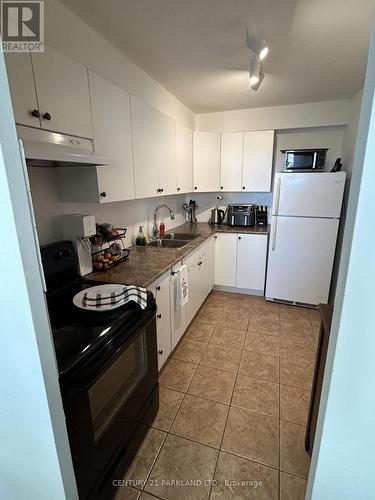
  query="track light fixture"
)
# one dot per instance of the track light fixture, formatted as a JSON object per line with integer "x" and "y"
{"x": 257, "y": 45}
{"x": 260, "y": 49}
{"x": 256, "y": 73}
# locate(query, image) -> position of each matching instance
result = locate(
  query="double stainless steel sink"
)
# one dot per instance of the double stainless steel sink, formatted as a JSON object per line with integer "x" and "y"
{"x": 173, "y": 240}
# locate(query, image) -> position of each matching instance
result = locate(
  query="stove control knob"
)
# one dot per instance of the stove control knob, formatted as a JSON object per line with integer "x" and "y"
{"x": 57, "y": 255}
{"x": 67, "y": 252}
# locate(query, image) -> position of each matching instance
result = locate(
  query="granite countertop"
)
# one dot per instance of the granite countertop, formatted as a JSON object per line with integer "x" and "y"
{"x": 147, "y": 264}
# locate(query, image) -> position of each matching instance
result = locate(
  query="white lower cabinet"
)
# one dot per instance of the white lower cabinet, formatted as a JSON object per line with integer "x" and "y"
{"x": 251, "y": 261}
{"x": 240, "y": 260}
{"x": 225, "y": 259}
{"x": 178, "y": 314}
{"x": 160, "y": 289}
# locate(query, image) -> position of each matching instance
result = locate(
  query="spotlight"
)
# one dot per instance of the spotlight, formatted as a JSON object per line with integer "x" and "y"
{"x": 257, "y": 45}
{"x": 256, "y": 73}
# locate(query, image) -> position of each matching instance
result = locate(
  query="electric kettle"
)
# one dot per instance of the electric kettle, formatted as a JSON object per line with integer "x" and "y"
{"x": 217, "y": 216}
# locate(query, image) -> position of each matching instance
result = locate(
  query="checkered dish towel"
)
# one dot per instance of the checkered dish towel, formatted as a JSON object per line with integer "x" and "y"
{"x": 133, "y": 293}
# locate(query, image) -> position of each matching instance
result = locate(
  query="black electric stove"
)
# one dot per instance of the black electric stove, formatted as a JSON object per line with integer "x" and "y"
{"x": 108, "y": 371}
{"x": 78, "y": 334}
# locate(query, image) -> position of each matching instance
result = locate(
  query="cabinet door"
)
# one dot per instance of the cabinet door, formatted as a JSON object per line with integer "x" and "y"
{"x": 184, "y": 158}
{"x": 257, "y": 160}
{"x": 63, "y": 92}
{"x": 251, "y": 261}
{"x": 231, "y": 161}
{"x": 143, "y": 120}
{"x": 211, "y": 261}
{"x": 178, "y": 314}
{"x": 192, "y": 263}
{"x": 225, "y": 259}
{"x": 22, "y": 88}
{"x": 206, "y": 161}
{"x": 166, "y": 147}
{"x": 163, "y": 328}
{"x": 112, "y": 137}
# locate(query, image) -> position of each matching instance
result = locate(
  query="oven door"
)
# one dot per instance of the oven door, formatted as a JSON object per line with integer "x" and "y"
{"x": 103, "y": 402}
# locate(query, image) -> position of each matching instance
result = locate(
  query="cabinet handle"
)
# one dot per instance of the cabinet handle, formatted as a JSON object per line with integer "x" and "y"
{"x": 158, "y": 190}
{"x": 103, "y": 194}
{"x": 221, "y": 187}
{"x": 178, "y": 189}
{"x": 162, "y": 190}
{"x": 195, "y": 188}
{"x": 161, "y": 352}
{"x": 243, "y": 187}
{"x": 200, "y": 263}
{"x": 47, "y": 116}
{"x": 35, "y": 113}
{"x": 159, "y": 316}
{"x": 158, "y": 288}
{"x": 215, "y": 237}
{"x": 239, "y": 237}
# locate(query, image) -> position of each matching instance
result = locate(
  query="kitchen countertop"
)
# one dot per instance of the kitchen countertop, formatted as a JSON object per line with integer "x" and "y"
{"x": 146, "y": 264}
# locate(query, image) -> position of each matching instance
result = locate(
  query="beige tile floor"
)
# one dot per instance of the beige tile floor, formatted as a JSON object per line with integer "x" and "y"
{"x": 234, "y": 400}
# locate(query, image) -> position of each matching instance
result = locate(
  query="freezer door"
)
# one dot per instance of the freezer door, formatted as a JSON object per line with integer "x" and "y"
{"x": 300, "y": 259}
{"x": 310, "y": 194}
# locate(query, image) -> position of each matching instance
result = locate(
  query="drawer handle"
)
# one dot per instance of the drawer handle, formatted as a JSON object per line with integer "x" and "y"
{"x": 47, "y": 116}
{"x": 161, "y": 352}
{"x": 35, "y": 113}
{"x": 158, "y": 316}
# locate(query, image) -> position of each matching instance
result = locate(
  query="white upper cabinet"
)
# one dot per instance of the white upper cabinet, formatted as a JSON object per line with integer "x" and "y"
{"x": 231, "y": 161}
{"x": 112, "y": 138}
{"x": 184, "y": 159}
{"x": 145, "y": 148}
{"x": 206, "y": 161}
{"x": 257, "y": 160}
{"x": 63, "y": 93}
{"x": 22, "y": 89}
{"x": 166, "y": 139}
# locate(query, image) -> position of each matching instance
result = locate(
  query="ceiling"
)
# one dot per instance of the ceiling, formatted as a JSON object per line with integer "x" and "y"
{"x": 197, "y": 48}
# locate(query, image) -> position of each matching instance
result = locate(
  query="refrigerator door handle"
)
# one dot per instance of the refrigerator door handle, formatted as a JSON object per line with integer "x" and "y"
{"x": 278, "y": 189}
{"x": 274, "y": 227}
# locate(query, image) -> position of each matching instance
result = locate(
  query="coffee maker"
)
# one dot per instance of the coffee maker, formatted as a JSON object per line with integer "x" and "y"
{"x": 78, "y": 229}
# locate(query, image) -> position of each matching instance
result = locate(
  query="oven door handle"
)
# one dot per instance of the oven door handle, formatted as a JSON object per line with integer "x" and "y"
{"x": 92, "y": 372}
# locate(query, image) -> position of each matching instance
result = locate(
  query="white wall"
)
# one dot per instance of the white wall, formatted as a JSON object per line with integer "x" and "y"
{"x": 294, "y": 116}
{"x": 348, "y": 149}
{"x": 318, "y": 137}
{"x": 35, "y": 458}
{"x": 67, "y": 32}
{"x": 343, "y": 461}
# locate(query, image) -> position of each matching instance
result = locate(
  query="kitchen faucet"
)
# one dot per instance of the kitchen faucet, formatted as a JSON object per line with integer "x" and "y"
{"x": 155, "y": 230}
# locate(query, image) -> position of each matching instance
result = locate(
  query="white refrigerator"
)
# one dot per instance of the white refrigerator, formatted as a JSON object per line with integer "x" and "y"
{"x": 305, "y": 219}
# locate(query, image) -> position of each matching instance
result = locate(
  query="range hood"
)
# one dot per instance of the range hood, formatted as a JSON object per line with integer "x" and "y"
{"x": 50, "y": 149}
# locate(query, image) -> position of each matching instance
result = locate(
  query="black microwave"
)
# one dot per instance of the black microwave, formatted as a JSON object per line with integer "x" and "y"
{"x": 304, "y": 159}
